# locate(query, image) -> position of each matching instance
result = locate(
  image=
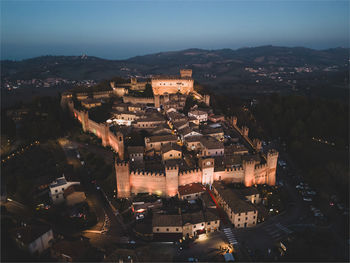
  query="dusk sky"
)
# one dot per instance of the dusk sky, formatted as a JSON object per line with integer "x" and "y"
{"x": 122, "y": 29}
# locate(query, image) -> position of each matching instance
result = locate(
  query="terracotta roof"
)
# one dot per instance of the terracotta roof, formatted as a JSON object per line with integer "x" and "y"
{"x": 170, "y": 146}
{"x": 193, "y": 218}
{"x": 166, "y": 220}
{"x": 162, "y": 138}
{"x": 135, "y": 149}
{"x": 191, "y": 189}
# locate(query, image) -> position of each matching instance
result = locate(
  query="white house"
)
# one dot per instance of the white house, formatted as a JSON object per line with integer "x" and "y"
{"x": 57, "y": 188}
{"x": 199, "y": 115}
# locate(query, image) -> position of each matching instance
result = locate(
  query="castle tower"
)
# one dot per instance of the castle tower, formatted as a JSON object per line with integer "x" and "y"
{"x": 172, "y": 180}
{"x": 123, "y": 179}
{"x": 249, "y": 177}
{"x": 121, "y": 150}
{"x": 157, "y": 101}
{"x": 272, "y": 157}
{"x": 245, "y": 131}
{"x": 186, "y": 73}
{"x": 207, "y": 166}
{"x": 257, "y": 144}
{"x": 207, "y": 99}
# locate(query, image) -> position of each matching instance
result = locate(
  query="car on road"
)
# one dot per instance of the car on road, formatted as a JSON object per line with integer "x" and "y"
{"x": 307, "y": 199}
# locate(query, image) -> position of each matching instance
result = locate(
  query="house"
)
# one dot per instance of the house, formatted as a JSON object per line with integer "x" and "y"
{"x": 74, "y": 194}
{"x": 178, "y": 125}
{"x": 193, "y": 120}
{"x": 186, "y": 225}
{"x": 171, "y": 151}
{"x": 191, "y": 191}
{"x": 201, "y": 116}
{"x": 187, "y": 132}
{"x": 236, "y": 149}
{"x": 149, "y": 122}
{"x": 216, "y": 133}
{"x": 157, "y": 141}
{"x": 240, "y": 212}
{"x": 136, "y": 153}
{"x": 57, "y": 188}
{"x": 169, "y": 226}
{"x": 211, "y": 147}
{"x": 193, "y": 143}
{"x": 35, "y": 238}
{"x": 216, "y": 118}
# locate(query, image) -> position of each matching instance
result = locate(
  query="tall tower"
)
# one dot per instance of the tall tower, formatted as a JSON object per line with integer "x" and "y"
{"x": 257, "y": 144}
{"x": 249, "y": 177}
{"x": 120, "y": 138}
{"x": 207, "y": 166}
{"x": 172, "y": 180}
{"x": 272, "y": 157}
{"x": 123, "y": 179}
{"x": 186, "y": 73}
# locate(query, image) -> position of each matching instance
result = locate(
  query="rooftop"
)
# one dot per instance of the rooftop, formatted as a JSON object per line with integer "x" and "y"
{"x": 163, "y": 138}
{"x": 211, "y": 143}
{"x": 29, "y": 233}
{"x": 58, "y": 182}
{"x": 166, "y": 220}
{"x": 191, "y": 189}
{"x": 135, "y": 149}
{"x": 193, "y": 218}
{"x": 170, "y": 146}
{"x": 232, "y": 199}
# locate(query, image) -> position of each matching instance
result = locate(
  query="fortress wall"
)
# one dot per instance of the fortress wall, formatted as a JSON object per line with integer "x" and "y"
{"x": 136, "y": 100}
{"x": 191, "y": 176}
{"x": 113, "y": 141}
{"x": 154, "y": 183}
{"x": 161, "y": 86}
{"x": 234, "y": 175}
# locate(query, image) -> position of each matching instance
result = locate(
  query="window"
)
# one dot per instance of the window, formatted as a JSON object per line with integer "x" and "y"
{"x": 194, "y": 226}
{"x": 167, "y": 229}
{"x": 253, "y": 217}
{"x": 239, "y": 219}
{"x": 177, "y": 229}
{"x": 215, "y": 222}
{"x": 246, "y": 213}
{"x": 208, "y": 223}
{"x": 157, "y": 229}
{"x": 56, "y": 191}
{"x": 62, "y": 188}
{"x": 238, "y": 225}
{"x": 246, "y": 218}
{"x": 56, "y": 196}
{"x": 151, "y": 145}
{"x": 179, "y": 154}
{"x": 202, "y": 224}
{"x": 196, "y": 194}
{"x": 239, "y": 214}
{"x": 171, "y": 155}
{"x": 255, "y": 212}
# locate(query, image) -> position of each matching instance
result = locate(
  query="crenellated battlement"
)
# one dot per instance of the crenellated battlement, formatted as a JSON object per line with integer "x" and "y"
{"x": 272, "y": 152}
{"x": 121, "y": 163}
{"x": 144, "y": 173}
{"x": 236, "y": 169}
{"x": 260, "y": 166}
{"x": 188, "y": 172}
{"x": 248, "y": 162}
{"x": 171, "y": 168}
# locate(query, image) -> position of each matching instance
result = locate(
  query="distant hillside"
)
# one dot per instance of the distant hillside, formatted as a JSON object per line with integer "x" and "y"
{"x": 223, "y": 69}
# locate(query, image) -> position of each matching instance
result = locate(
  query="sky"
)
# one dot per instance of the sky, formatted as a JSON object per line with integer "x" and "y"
{"x": 127, "y": 28}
